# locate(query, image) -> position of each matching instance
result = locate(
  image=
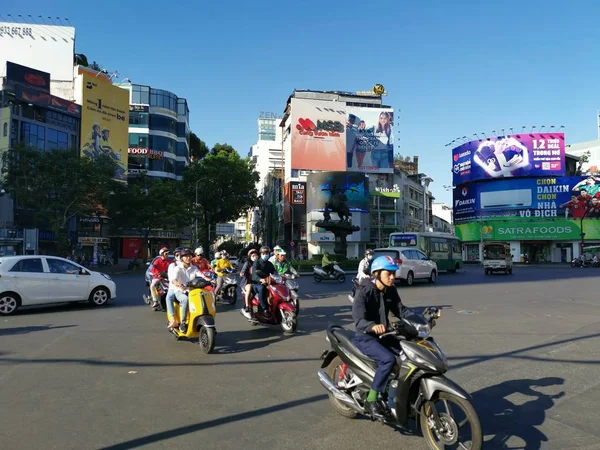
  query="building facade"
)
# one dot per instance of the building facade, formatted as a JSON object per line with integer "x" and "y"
{"x": 159, "y": 133}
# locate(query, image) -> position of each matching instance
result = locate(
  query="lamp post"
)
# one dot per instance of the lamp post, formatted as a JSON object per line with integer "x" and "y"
{"x": 196, "y": 215}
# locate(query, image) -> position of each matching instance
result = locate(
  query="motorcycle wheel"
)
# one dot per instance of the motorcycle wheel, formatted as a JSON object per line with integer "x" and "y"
{"x": 317, "y": 278}
{"x": 341, "y": 278}
{"x": 207, "y": 339}
{"x": 289, "y": 321}
{"x": 231, "y": 297}
{"x": 147, "y": 299}
{"x": 451, "y": 437}
{"x": 333, "y": 372}
{"x": 297, "y": 306}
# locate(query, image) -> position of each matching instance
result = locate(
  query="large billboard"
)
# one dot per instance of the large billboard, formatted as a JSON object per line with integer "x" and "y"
{"x": 295, "y": 201}
{"x": 47, "y": 48}
{"x": 318, "y": 135}
{"x": 27, "y": 76}
{"x": 46, "y": 100}
{"x": 105, "y": 122}
{"x": 528, "y": 230}
{"x": 524, "y": 198}
{"x": 536, "y": 154}
{"x": 370, "y": 140}
{"x": 382, "y": 185}
{"x": 353, "y": 188}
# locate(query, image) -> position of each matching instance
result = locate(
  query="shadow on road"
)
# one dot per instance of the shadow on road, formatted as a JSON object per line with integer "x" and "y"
{"x": 31, "y": 329}
{"x": 502, "y": 420}
{"x": 181, "y": 431}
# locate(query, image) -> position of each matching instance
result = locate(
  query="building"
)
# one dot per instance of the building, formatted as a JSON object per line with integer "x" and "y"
{"x": 442, "y": 218}
{"x": 589, "y": 150}
{"x": 159, "y": 132}
{"x": 533, "y": 199}
{"x": 266, "y": 153}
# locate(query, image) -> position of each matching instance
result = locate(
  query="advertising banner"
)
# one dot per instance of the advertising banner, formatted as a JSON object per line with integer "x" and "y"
{"x": 566, "y": 197}
{"x": 382, "y": 185}
{"x": 295, "y": 197}
{"x": 318, "y": 135}
{"x": 105, "y": 122}
{"x": 530, "y": 230}
{"x": 535, "y": 154}
{"x": 132, "y": 247}
{"x": 370, "y": 140}
{"x": 349, "y": 187}
{"x": 28, "y": 76}
{"x": 47, "y": 101}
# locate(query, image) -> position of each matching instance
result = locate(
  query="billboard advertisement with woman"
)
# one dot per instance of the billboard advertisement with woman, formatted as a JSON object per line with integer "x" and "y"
{"x": 370, "y": 140}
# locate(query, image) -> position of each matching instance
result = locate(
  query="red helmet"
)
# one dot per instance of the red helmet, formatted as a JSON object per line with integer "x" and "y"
{"x": 250, "y": 252}
{"x": 163, "y": 250}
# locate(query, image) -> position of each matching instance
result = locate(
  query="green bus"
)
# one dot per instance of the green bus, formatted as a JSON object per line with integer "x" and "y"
{"x": 443, "y": 248}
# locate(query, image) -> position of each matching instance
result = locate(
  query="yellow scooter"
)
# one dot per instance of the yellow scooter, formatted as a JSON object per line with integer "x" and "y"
{"x": 201, "y": 314}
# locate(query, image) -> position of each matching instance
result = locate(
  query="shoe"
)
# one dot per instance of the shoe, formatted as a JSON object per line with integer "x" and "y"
{"x": 172, "y": 324}
{"x": 155, "y": 305}
{"x": 183, "y": 327}
{"x": 246, "y": 313}
{"x": 374, "y": 409}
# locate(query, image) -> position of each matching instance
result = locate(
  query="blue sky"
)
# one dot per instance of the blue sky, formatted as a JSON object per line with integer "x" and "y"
{"x": 450, "y": 68}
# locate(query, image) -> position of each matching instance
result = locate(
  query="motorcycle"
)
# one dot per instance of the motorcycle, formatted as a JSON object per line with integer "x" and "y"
{"x": 415, "y": 389}
{"x": 281, "y": 307}
{"x": 228, "y": 293}
{"x": 162, "y": 288}
{"x": 355, "y": 284}
{"x": 320, "y": 275}
{"x": 201, "y": 315}
{"x": 581, "y": 262}
{"x": 293, "y": 286}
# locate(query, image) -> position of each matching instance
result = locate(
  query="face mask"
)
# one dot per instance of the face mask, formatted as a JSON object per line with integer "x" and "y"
{"x": 265, "y": 257}
{"x": 370, "y": 257}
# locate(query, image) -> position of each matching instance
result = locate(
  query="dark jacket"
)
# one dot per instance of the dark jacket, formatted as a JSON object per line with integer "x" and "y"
{"x": 371, "y": 306}
{"x": 246, "y": 272}
{"x": 262, "y": 269}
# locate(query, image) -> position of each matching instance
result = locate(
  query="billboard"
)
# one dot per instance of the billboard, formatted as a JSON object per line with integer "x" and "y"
{"x": 105, "y": 122}
{"x": 353, "y": 187}
{"x": 47, "y": 48}
{"x": 318, "y": 135}
{"x": 47, "y": 100}
{"x": 295, "y": 197}
{"x": 524, "y": 198}
{"x": 36, "y": 79}
{"x": 530, "y": 230}
{"x": 536, "y": 154}
{"x": 370, "y": 140}
{"x": 382, "y": 185}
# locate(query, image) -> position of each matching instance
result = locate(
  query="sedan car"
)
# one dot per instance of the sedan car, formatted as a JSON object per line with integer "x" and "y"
{"x": 40, "y": 279}
{"x": 414, "y": 264}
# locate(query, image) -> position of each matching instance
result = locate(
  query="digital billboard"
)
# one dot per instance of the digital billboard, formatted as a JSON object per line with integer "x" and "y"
{"x": 318, "y": 135}
{"x": 382, "y": 185}
{"x": 352, "y": 187}
{"x": 27, "y": 76}
{"x": 370, "y": 140}
{"x": 535, "y": 154}
{"x": 105, "y": 122}
{"x": 524, "y": 198}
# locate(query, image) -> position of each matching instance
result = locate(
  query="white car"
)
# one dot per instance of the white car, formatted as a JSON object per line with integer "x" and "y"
{"x": 414, "y": 264}
{"x": 40, "y": 280}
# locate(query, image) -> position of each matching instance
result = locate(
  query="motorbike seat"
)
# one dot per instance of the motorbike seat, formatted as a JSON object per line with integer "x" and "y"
{"x": 344, "y": 336}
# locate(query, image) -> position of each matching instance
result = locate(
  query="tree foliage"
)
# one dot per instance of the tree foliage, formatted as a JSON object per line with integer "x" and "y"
{"x": 198, "y": 148}
{"x": 58, "y": 185}
{"x": 226, "y": 187}
{"x": 583, "y": 159}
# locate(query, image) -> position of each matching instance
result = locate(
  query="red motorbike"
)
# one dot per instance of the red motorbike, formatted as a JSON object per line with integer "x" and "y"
{"x": 281, "y": 306}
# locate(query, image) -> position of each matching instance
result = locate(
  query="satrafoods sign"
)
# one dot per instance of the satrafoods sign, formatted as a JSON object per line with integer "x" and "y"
{"x": 560, "y": 229}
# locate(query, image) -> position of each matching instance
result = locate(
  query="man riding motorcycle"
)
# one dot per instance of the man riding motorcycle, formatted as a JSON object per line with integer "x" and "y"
{"x": 327, "y": 264}
{"x": 246, "y": 275}
{"x": 282, "y": 265}
{"x": 200, "y": 261}
{"x": 181, "y": 275}
{"x": 222, "y": 263}
{"x": 276, "y": 250}
{"x": 159, "y": 266}
{"x": 261, "y": 270}
{"x": 171, "y": 292}
{"x": 364, "y": 268}
{"x": 372, "y": 304}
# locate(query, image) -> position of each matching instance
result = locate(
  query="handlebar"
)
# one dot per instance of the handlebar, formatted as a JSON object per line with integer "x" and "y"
{"x": 389, "y": 333}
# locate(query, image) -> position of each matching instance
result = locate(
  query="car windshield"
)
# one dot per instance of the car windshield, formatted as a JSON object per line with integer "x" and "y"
{"x": 495, "y": 252}
{"x": 392, "y": 253}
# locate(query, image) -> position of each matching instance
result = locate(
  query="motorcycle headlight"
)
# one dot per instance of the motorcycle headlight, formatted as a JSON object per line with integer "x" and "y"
{"x": 423, "y": 331}
{"x": 416, "y": 358}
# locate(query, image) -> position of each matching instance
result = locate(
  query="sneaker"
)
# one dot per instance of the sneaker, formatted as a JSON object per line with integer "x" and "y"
{"x": 374, "y": 409}
{"x": 246, "y": 313}
{"x": 183, "y": 327}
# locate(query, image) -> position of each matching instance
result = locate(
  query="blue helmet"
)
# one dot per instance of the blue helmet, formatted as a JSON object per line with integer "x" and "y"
{"x": 384, "y": 263}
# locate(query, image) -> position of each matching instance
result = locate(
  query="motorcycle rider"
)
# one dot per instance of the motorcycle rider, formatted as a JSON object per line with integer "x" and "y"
{"x": 282, "y": 265}
{"x": 327, "y": 264}
{"x": 222, "y": 263}
{"x": 364, "y": 268}
{"x": 181, "y": 276}
{"x": 276, "y": 250}
{"x": 374, "y": 300}
{"x": 200, "y": 261}
{"x": 159, "y": 266}
{"x": 246, "y": 275}
{"x": 261, "y": 270}
{"x": 171, "y": 292}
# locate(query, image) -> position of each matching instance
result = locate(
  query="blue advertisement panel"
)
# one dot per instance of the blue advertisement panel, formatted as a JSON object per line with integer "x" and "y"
{"x": 337, "y": 187}
{"x": 524, "y": 198}
{"x": 524, "y": 155}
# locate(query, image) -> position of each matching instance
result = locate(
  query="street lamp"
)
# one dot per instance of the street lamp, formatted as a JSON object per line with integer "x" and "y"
{"x": 196, "y": 215}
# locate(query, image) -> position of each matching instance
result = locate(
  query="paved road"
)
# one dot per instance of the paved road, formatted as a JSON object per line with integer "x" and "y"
{"x": 75, "y": 377}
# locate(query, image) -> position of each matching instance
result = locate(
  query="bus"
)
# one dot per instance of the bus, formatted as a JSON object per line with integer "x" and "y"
{"x": 443, "y": 248}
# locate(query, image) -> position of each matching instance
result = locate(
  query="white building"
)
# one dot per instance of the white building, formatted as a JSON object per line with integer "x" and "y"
{"x": 582, "y": 148}
{"x": 266, "y": 153}
{"x": 442, "y": 211}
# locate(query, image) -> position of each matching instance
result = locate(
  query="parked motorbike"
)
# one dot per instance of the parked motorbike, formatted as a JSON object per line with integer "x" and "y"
{"x": 201, "y": 315}
{"x": 281, "y": 307}
{"x": 320, "y": 275}
{"x": 417, "y": 387}
{"x": 293, "y": 286}
{"x": 581, "y": 262}
{"x": 162, "y": 288}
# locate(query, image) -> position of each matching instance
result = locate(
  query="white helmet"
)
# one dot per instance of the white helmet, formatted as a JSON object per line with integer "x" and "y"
{"x": 217, "y": 255}
{"x": 199, "y": 251}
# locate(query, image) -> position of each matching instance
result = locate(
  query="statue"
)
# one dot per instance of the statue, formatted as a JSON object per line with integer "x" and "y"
{"x": 338, "y": 203}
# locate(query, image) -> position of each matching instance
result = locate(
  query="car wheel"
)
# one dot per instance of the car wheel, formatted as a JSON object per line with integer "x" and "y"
{"x": 410, "y": 279}
{"x": 433, "y": 276}
{"x": 9, "y": 303}
{"x": 99, "y": 296}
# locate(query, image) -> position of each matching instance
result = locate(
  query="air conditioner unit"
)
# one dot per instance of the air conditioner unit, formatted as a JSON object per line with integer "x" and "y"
{"x": 518, "y": 198}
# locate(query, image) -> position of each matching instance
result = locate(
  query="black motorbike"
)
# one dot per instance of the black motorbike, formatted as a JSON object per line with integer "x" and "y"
{"x": 581, "y": 262}
{"x": 417, "y": 388}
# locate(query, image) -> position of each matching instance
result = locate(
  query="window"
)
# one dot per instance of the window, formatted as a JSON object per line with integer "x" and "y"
{"x": 169, "y": 165}
{"x": 182, "y": 107}
{"x": 33, "y": 135}
{"x": 137, "y": 140}
{"x": 163, "y": 99}
{"x": 59, "y": 266}
{"x": 182, "y": 149}
{"x": 162, "y": 143}
{"x": 162, "y": 123}
{"x": 181, "y": 129}
{"x": 57, "y": 140}
{"x": 179, "y": 168}
{"x": 5, "y": 129}
{"x": 138, "y": 119}
{"x": 140, "y": 95}
{"x": 33, "y": 265}
{"x": 137, "y": 162}
{"x": 157, "y": 164}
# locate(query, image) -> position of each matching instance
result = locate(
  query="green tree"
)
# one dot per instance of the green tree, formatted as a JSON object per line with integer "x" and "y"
{"x": 583, "y": 159}
{"x": 198, "y": 148}
{"x": 58, "y": 185}
{"x": 226, "y": 187}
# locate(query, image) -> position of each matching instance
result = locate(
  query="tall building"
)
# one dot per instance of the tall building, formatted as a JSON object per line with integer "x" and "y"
{"x": 159, "y": 132}
{"x": 266, "y": 153}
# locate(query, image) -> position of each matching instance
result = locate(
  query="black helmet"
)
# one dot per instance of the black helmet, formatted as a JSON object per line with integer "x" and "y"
{"x": 186, "y": 251}
{"x": 178, "y": 250}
